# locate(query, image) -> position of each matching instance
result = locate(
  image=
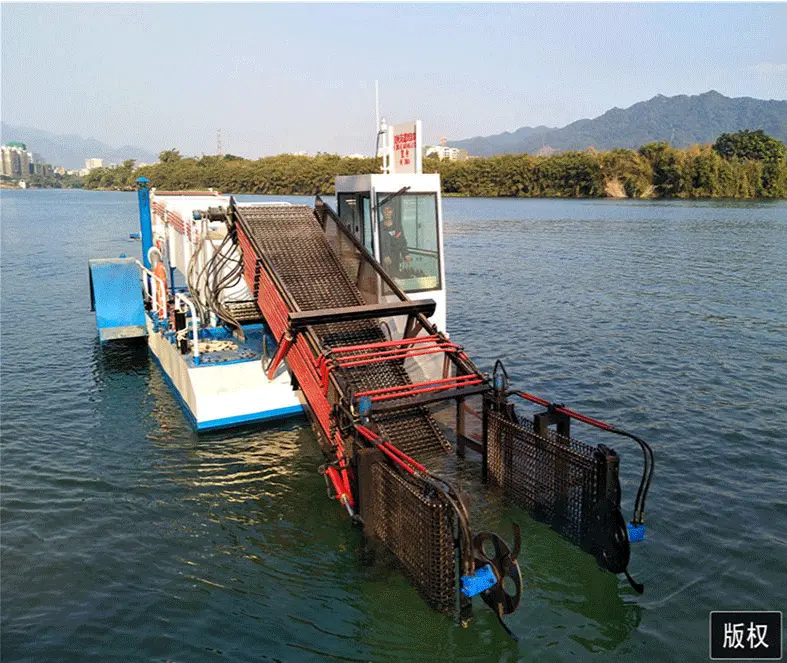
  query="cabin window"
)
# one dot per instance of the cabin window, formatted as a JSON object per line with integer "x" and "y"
{"x": 409, "y": 248}
{"x": 355, "y": 214}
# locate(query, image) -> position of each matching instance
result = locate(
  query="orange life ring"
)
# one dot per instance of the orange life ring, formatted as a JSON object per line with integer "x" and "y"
{"x": 161, "y": 294}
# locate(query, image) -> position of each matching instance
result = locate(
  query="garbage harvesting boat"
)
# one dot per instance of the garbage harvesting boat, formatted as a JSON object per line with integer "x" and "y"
{"x": 291, "y": 310}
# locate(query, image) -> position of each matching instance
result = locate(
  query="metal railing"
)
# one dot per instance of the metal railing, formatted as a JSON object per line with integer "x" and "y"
{"x": 180, "y": 298}
{"x": 155, "y": 295}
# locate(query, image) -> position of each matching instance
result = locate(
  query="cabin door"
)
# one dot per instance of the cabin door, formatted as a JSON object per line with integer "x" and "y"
{"x": 356, "y": 214}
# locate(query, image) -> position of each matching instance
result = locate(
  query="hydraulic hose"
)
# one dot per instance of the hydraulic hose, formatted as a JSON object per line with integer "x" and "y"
{"x": 612, "y": 542}
{"x": 207, "y": 285}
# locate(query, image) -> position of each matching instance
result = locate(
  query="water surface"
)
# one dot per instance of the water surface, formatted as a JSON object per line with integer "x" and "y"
{"x": 125, "y": 536}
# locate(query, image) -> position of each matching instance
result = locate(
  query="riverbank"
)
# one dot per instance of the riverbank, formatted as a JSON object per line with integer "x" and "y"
{"x": 43, "y": 182}
{"x": 654, "y": 171}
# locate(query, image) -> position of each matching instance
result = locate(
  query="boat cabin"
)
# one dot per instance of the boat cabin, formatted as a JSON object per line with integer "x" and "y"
{"x": 398, "y": 218}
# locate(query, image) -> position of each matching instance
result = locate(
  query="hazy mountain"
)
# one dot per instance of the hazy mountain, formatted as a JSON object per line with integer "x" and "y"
{"x": 487, "y": 145}
{"x": 682, "y": 120}
{"x": 71, "y": 151}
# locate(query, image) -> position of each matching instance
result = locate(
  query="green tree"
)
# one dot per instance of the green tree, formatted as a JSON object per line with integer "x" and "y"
{"x": 632, "y": 169}
{"x": 669, "y": 176}
{"x": 169, "y": 156}
{"x": 750, "y": 145}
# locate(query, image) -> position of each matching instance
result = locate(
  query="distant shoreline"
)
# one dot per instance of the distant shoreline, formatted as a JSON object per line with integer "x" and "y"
{"x": 742, "y": 166}
{"x": 655, "y": 171}
{"x": 452, "y": 196}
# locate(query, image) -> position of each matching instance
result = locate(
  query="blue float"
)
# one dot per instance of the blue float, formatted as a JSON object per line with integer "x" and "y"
{"x": 483, "y": 579}
{"x": 116, "y": 297}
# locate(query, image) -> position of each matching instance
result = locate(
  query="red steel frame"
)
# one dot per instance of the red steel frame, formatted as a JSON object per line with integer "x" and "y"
{"x": 300, "y": 359}
{"x": 351, "y": 356}
{"x": 564, "y": 410}
{"x": 407, "y": 390}
{"x": 393, "y": 452}
{"x": 314, "y": 372}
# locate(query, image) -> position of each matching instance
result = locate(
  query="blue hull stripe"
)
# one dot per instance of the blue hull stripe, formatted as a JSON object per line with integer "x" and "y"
{"x": 242, "y": 419}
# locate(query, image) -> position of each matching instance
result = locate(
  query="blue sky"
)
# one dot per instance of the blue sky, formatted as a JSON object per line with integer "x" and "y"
{"x": 280, "y": 78}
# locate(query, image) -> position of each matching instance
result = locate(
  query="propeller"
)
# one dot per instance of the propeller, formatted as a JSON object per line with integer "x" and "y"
{"x": 504, "y": 565}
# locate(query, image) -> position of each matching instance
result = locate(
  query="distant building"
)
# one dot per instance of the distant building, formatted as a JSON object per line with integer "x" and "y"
{"x": 41, "y": 167}
{"x": 44, "y": 169}
{"x": 91, "y": 164}
{"x": 446, "y": 153}
{"x": 7, "y": 165}
{"x": 15, "y": 160}
{"x": 25, "y": 162}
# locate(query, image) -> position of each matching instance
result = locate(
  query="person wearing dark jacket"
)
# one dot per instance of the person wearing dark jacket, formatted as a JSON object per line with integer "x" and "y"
{"x": 393, "y": 244}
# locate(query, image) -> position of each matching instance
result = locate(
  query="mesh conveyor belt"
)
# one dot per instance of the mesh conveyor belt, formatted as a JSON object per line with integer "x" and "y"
{"x": 245, "y": 311}
{"x": 293, "y": 241}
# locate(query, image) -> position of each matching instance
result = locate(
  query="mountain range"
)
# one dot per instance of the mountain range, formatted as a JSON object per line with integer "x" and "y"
{"x": 682, "y": 120}
{"x": 71, "y": 151}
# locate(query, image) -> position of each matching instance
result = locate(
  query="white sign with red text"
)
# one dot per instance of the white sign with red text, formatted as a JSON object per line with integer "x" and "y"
{"x": 407, "y": 147}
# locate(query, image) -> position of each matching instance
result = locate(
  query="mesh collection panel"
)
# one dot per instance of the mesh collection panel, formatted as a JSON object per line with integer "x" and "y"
{"x": 418, "y": 529}
{"x": 558, "y": 479}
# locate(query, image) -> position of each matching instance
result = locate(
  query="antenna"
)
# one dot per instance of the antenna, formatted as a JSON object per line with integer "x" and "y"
{"x": 377, "y": 105}
{"x": 218, "y": 142}
{"x": 382, "y": 141}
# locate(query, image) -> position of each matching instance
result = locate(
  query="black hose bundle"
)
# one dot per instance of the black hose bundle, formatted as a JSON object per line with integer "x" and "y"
{"x": 209, "y": 283}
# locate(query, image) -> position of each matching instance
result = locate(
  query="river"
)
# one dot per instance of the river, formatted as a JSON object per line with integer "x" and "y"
{"x": 127, "y": 537}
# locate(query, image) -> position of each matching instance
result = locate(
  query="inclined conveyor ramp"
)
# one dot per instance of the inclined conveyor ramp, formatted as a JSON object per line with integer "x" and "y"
{"x": 302, "y": 264}
{"x": 329, "y": 304}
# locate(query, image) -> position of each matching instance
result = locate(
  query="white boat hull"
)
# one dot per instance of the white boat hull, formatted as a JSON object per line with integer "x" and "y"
{"x": 226, "y": 394}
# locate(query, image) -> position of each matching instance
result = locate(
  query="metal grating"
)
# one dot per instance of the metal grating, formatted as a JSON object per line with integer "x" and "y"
{"x": 294, "y": 243}
{"x": 418, "y": 528}
{"x": 558, "y": 479}
{"x": 246, "y": 311}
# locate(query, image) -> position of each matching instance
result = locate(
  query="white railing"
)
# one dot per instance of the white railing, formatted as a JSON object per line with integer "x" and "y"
{"x": 180, "y": 298}
{"x": 157, "y": 294}
{"x": 181, "y": 301}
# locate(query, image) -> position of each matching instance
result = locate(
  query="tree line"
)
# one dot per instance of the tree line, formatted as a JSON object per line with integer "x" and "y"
{"x": 48, "y": 181}
{"x": 747, "y": 164}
